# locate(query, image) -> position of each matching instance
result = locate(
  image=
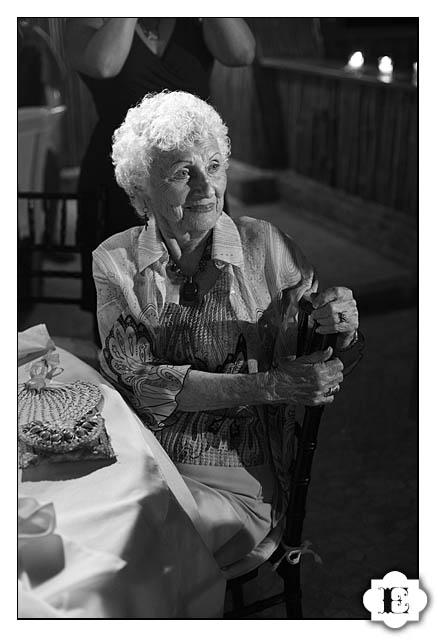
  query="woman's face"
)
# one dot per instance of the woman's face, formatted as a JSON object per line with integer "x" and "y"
{"x": 187, "y": 188}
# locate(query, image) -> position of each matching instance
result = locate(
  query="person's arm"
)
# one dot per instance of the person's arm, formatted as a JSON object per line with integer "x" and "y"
{"x": 157, "y": 388}
{"x": 303, "y": 381}
{"x": 99, "y": 47}
{"x": 229, "y": 40}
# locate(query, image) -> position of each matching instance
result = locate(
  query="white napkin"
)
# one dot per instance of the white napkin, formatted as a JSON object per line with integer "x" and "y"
{"x": 78, "y": 591}
{"x": 33, "y": 343}
{"x": 30, "y": 606}
{"x": 35, "y": 520}
{"x": 59, "y": 578}
{"x": 40, "y": 551}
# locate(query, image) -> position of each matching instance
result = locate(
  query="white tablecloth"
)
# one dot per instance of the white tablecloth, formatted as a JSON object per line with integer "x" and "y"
{"x": 130, "y": 530}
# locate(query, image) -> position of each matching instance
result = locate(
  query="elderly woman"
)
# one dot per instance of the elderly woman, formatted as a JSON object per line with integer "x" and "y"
{"x": 197, "y": 316}
{"x": 121, "y": 59}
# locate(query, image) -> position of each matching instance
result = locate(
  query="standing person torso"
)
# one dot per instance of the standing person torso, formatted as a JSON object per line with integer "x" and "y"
{"x": 185, "y": 64}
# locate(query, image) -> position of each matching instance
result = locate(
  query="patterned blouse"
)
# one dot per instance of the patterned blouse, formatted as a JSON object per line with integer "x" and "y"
{"x": 208, "y": 335}
{"x": 150, "y": 342}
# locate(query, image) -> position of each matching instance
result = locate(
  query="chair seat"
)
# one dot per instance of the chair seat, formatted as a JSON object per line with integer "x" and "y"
{"x": 257, "y": 556}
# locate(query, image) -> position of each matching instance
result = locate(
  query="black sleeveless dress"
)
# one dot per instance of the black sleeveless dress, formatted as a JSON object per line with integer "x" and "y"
{"x": 186, "y": 65}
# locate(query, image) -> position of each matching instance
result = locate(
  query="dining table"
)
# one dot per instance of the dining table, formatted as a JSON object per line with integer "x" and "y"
{"x": 109, "y": 538}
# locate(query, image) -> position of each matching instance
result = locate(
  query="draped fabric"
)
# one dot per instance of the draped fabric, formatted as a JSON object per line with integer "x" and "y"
{"x": 128, "y": 531}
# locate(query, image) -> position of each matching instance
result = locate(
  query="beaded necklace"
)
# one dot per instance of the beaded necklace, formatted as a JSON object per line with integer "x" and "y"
{"x": 189, "y": 293}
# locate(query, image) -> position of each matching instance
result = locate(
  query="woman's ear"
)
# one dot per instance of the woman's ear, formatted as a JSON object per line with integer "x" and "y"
{"x": 140, "y": 204}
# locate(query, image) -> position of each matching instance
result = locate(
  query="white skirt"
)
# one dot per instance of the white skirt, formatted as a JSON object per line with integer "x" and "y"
{"x": 234, "y": 504}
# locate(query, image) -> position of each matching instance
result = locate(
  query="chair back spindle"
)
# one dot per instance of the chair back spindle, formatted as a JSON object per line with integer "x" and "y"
{"x": 309, "y": 341}
{"x": 31, "y": 219}
{"x": 45, "y": 240}
{"x": 287, "y": 556}
{"x": 63, "y": 225}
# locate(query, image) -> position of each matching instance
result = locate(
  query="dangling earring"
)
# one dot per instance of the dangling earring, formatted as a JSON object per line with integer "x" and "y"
{"x": 145, "y": 216}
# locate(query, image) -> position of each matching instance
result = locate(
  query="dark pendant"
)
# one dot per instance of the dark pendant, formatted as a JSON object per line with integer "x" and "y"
{"x": 190, "y": 292}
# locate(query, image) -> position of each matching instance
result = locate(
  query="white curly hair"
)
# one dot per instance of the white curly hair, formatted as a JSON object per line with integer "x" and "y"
{"x": 162, "y": 122}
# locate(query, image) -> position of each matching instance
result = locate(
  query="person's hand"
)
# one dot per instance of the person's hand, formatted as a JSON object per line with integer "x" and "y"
{"x": 309, "y": 380}
{"x": 336, "y": 312}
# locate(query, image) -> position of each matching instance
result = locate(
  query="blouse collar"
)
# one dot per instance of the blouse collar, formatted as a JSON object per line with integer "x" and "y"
{"x": 226, "y": 244}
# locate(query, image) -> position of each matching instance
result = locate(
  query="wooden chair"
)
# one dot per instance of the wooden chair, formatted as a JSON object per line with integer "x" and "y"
{"x": 49, "y": 258}
{"x": 283, "y": 546}
{"x": 47, "y": 228}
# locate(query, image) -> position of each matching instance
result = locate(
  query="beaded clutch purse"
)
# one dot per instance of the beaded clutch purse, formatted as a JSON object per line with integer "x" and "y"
{"x": 57, "y": 418}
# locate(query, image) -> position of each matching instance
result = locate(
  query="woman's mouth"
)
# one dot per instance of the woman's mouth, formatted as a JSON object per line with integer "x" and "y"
{"x": 200, "y": 208}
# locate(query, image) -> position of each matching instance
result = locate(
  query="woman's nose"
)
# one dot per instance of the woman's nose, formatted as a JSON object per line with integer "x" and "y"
{"x": 201, "y": 184}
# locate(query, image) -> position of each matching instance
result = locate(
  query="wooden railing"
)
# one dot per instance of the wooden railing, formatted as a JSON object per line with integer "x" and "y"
{"x": 352, "y": 132}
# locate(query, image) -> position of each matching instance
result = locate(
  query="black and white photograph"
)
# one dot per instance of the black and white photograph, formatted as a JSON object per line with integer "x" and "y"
{"x": 217, "y": 309}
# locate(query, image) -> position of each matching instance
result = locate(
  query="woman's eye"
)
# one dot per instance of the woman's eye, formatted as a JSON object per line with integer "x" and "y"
{"x": 182, "y": 173}
{"x": 213, "y": 168}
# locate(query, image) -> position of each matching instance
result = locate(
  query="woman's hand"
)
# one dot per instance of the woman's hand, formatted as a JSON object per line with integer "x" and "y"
{"x": 309, "y": 380}
{"x": 336, "y": 312}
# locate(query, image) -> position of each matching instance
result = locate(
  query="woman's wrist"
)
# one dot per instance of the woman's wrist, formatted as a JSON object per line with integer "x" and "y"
{"x": 265, "y": 387}
{"x": 347, "y": 341}
{"x": 268, "y": 384}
